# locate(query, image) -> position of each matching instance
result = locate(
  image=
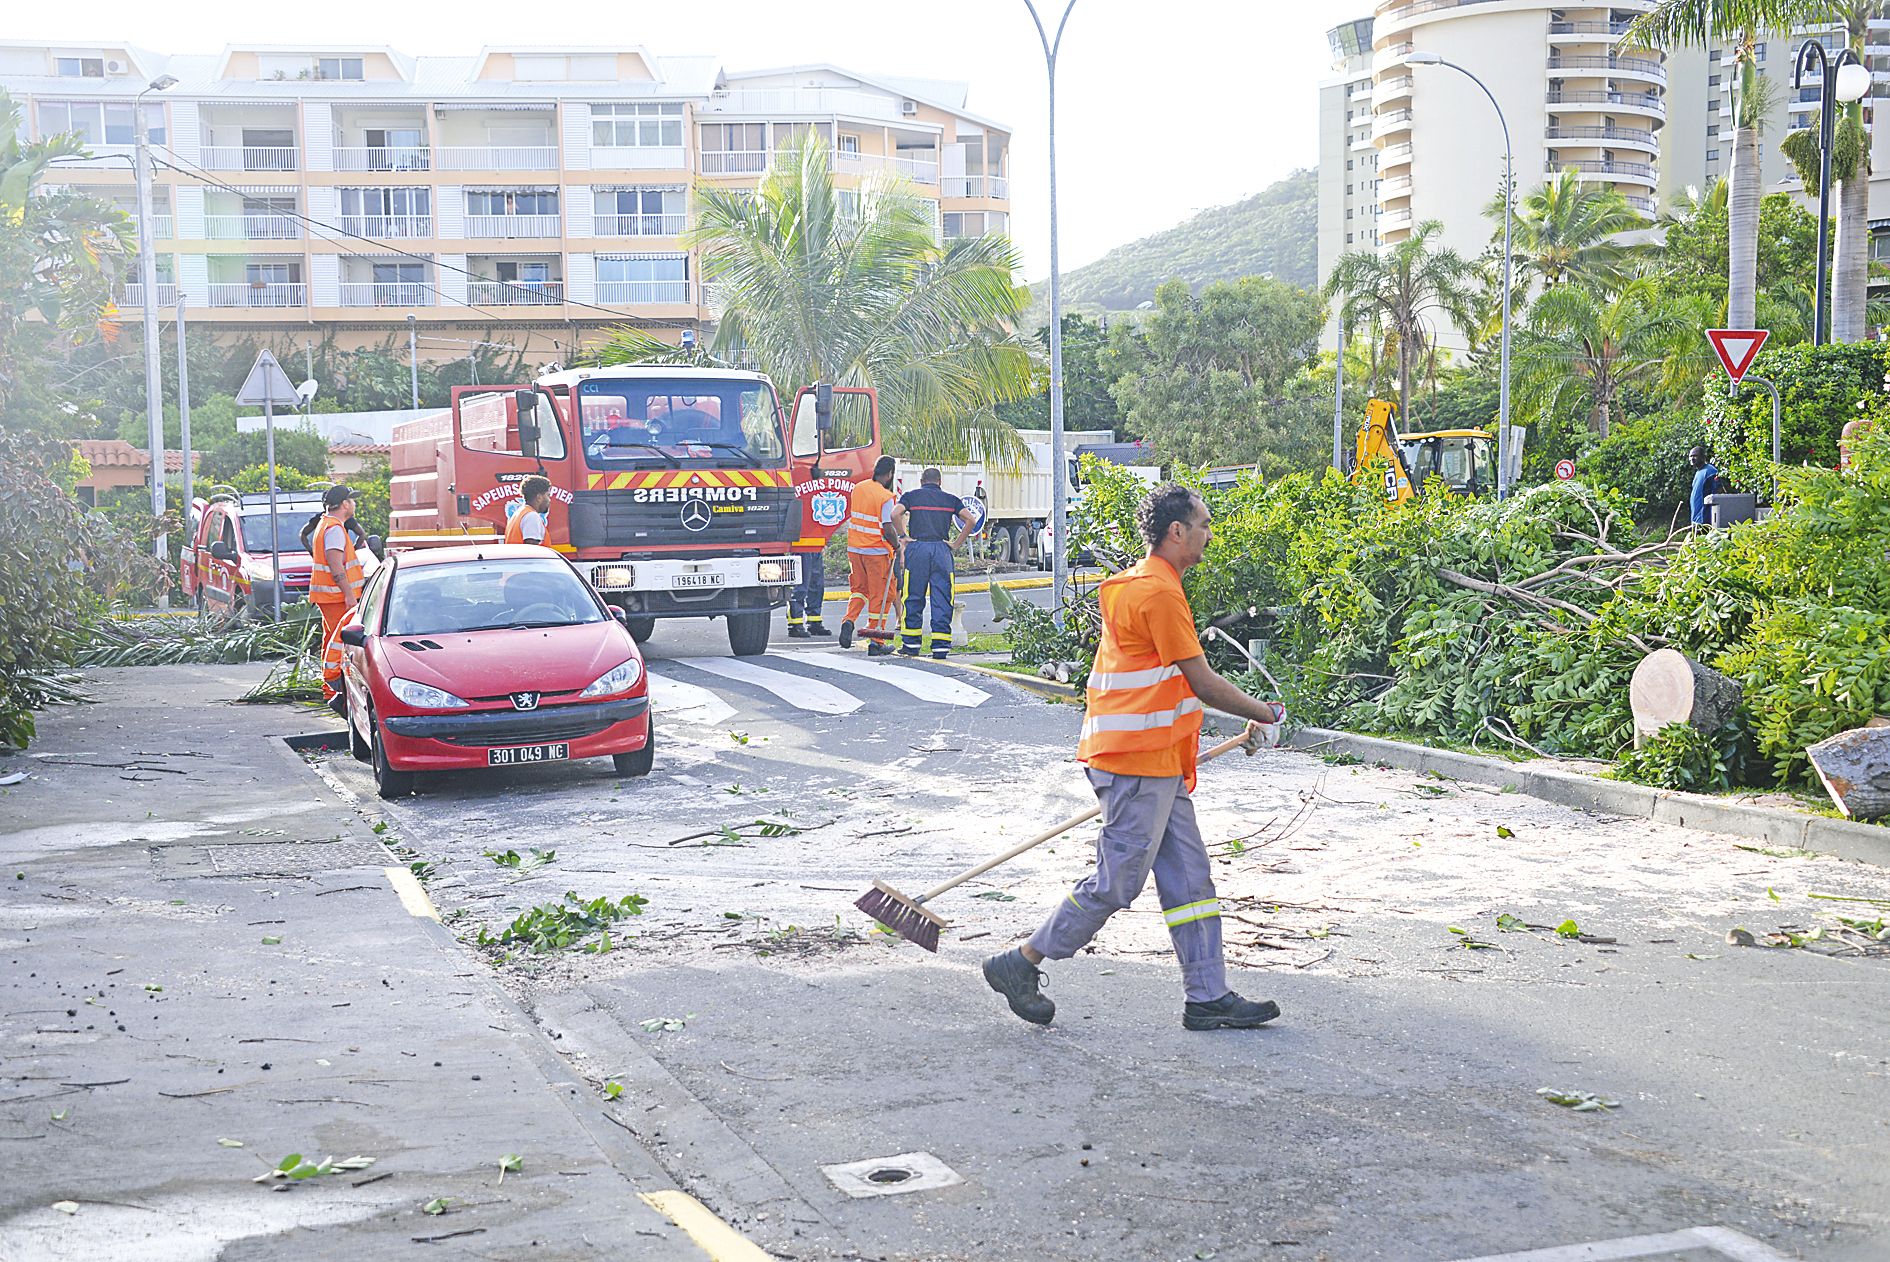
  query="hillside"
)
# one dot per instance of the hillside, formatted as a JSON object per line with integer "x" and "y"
{"x": 1273, "y": 231}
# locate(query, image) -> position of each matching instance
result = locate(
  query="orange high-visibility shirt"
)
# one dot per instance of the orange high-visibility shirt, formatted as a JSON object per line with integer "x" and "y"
{"x": 528, "y": 526}
{"x": 1147, "y": 628}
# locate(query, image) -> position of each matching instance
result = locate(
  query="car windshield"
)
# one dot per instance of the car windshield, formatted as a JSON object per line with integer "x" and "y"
{"x": 487, "y": 595}
{"x": 288, "y": 537}
{"x": 654, "y": 422}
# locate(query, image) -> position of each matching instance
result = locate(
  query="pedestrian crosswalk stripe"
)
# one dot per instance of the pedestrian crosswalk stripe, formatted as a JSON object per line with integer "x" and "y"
{"x": 924, "y": 684}
{"x": 674, "y": 698}
{"x": 796, "y": 690}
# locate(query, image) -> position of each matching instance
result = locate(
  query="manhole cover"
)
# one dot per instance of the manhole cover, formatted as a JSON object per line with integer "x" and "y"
{"x": 889, "y": 1176}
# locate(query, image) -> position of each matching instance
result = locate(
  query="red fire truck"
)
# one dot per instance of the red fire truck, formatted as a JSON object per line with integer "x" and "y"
{"x": 678, "y": 491}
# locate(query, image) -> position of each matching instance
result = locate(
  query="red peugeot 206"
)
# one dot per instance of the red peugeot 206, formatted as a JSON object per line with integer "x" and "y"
{"x": 496, "y": 655}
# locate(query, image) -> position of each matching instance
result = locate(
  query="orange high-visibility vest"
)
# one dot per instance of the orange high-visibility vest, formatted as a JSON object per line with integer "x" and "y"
{"x": 1136, "y": 704}
{"x": 515, "y": 528}
{"x": 321, "y": 579}
{"x": 865, "y": 530}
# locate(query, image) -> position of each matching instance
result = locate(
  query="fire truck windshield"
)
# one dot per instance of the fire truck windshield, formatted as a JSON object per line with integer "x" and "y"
{"x": 637, "y": 422}
{"x": 289, "y": 523}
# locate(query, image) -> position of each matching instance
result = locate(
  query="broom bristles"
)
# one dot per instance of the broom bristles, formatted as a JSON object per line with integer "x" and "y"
{"x": 902, "y": 915}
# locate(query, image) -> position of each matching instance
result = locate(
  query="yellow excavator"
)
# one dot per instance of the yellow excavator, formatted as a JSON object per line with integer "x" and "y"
{"x": 1465, "y": 459}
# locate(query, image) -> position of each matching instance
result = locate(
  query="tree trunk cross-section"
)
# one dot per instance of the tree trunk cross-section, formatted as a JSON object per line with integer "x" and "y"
{"x": 1855, "y": 768}
{"x": 1670, "y": 687}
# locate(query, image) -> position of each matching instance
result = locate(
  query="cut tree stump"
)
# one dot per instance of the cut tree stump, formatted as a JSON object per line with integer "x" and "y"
{"x": 1855, "y": 768}
{"x": 1670, "y": 687}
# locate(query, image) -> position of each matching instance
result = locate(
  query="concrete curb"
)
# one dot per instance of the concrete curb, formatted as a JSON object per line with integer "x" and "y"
{"x": 1841, "y": 838}
{"x": 1048, "y": 688}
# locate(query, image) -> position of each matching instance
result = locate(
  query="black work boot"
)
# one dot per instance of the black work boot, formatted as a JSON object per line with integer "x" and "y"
{"x": 846, "y": 634}
{"x": 797, "y": 632}
{"x": 1229, "y": 1012}
{"x": 818, "y": 631}
{"x": 1017, "y": 979}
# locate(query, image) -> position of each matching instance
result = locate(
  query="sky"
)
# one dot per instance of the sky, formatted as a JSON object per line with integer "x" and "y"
{"x": 1162, "y": 109}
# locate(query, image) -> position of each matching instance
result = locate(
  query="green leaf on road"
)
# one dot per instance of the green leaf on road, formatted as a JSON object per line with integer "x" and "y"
{"x": 512, "y": 1163}
{"x": 612, "y": 1090}
{"x": 1569, "y": 929}
{"x": 436, "y": 1206}
{"x": 1577, "y": 1101}
{"x": 230, "y": 1143}
{"x": 996, "y": 896}
{"x": 1511, "y": 924}
{"x": 62, "y": 1114}
{"x": 1504, "y": 830}
{"x": 1771, "y": 893}
{"x": 272, "y": 941}
{"x": 66, "y": 1207}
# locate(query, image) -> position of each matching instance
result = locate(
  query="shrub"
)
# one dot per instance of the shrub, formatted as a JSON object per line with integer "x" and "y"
{"x": 1646, "y": 459}
{"x": 1680, "y": 756}
{"x": 1820, "y": 388}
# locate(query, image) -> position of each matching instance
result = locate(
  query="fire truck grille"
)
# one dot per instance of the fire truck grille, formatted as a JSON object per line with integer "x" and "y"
{"x": 724, "y": 515}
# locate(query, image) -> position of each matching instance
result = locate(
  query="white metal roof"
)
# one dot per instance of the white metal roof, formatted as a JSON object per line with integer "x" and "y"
{"x": 640, "y": 372}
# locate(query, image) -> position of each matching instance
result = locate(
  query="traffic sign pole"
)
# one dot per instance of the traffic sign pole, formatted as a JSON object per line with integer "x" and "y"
{"x": 268, "y": 385}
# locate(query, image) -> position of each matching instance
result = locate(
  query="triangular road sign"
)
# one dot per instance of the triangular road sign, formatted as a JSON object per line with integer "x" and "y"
{"x": 267, "y": 383}
{"x": 1737, "y": 348}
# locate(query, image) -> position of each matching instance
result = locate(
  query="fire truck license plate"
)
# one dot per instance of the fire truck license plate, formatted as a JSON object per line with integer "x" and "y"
{"x": 695, "y": 580}
{"x": 526, "y": 753}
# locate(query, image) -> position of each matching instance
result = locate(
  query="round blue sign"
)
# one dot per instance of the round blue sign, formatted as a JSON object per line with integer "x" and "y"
{"x": 976, "y": 508}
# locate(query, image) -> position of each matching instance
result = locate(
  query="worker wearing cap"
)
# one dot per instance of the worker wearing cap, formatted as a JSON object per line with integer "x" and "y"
{"x": 930, "y": 513}
{"x": 873, "y": 541}
{"x": 1145, "y": 696}
{"x": 334, "y": 581}
{"x": 531, "y": 517}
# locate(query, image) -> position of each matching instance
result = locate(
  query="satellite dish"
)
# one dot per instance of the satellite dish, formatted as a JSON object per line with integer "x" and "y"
{"x": 306, "y": 391}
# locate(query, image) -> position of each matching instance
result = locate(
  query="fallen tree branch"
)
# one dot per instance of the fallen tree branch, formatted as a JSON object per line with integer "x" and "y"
{"x": 1527, "y": 597}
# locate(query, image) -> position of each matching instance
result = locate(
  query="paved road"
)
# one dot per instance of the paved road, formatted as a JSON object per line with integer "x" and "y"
{"x": 1392, "y": 1113}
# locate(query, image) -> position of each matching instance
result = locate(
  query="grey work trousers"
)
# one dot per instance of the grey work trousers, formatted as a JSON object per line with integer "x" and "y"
{"x": 1148, "y": 825}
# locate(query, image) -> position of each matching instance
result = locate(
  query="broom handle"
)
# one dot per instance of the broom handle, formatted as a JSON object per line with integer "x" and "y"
{"x": 1231, "y": 743}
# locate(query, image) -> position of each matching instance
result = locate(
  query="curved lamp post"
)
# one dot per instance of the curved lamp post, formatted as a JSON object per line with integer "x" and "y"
{"x": 1841, "y": 78}
{"x": 1509, "y": 215}
{"x": 147, "y": 274}
{"x": 1059, "y": 476}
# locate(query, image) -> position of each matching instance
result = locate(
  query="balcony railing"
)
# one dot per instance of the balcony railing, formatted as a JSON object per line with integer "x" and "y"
{"x": 1391, "y": 155}
{"x": 1631, "y": 170}
{"x": 251, "y": 228}
{"x": 388, "y": 225}
{"x": 163, "y": 227}
{"x": 1397, "y": 186}
{"x": 921, "y": 170}
{"x": 1612, "y": 65}
{"x": 1394, "y": 219}
{"x": 975, "y": 186}
{"x": 1607, "y": 135}
{"x": 639, "y": 225}
{"x": 134, "y": 296}
{"x": 1622, "y": 100}
{"x": 355, "y": 158}
{"x": 1392, "y": 120}
{"x": 1393, "y": 88}
{"x": 1643, "y": 204}
{"x": 512, "y": 226}
{"x": 498, "y": 158}
{"x": 1588, "y": 28}
{"x": 249, "y": 158}
{"x": 631, "y": 293}
{"x": 258, "y": 294}
{"x": 734, "y": 161}
{"x": 524, "y": 293}
{"x": 386, "y": 294}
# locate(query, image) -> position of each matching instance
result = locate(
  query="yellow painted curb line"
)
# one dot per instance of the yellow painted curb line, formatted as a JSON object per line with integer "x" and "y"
{"x": 413, "y": 895}
{"x": 717, "y": 1239}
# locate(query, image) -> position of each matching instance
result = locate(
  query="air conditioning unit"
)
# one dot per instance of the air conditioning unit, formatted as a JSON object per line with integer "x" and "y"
{"x": 114, "y": 67}
{"x": 908, "y": 108}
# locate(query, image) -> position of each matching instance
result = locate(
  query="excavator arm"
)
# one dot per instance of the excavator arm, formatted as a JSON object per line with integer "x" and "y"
{"x": 1376, "y": 459}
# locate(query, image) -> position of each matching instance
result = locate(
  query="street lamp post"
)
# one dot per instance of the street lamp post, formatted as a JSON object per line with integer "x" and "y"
{"x": 147, "y": 275}
{"x": 1059, "y": 476}
{"x": 1503, "y": 437}
{"x": 1840, "y": 78}
{"x": 413, "y": 365}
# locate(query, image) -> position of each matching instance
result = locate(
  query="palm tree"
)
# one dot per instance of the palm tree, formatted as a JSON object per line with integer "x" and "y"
{"x": 1583, "y": 348}
{"x": 1738, "y": 23}
{"x": 1566, "y": 230}
{"x": 861, "y": 293}
{"x": 1397, "y": 288}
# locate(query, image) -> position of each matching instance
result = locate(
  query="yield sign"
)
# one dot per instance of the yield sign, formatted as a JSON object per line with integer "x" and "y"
{"x": 1737, "y": 348}
{"x": 267, "y": 383}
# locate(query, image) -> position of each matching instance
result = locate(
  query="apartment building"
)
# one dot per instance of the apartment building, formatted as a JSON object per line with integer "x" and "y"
{"x": 1348, "y": 158}
{"x": 541, "y": 190}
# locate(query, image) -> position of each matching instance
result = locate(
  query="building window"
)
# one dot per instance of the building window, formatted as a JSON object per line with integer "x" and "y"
{"x": 1348, "y": 164}
{"x": 1348, "y": 212}
{"x": 628, "y": 125}
{"x": 339, "y": 68}
{"x": 1712, "y": 81}
{"x": 1712, "y": 129}
{"x": 639, "y": 212}
{"x": 81, "y": 67}
{"x": 518, "y": 201}
{"x": 1348, "y": 238}
{"x": 1758, "y": 52}
{"x": 100, "y": 123}
{"x": 975, "y": 224}
{"x": 643, "y": 278}
{"x": 1712, "y": 155}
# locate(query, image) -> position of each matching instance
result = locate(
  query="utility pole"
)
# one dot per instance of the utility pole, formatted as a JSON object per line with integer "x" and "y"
{"x": 413, "y": 363}
{"x": 1338, "y": 404}
{"x": 183, "y": 411}
{"x": 1059, "y": 475}
{"x": 153, "y": 371}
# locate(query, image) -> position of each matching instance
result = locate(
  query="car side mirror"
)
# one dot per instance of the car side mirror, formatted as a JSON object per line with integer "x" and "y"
{"x": 620, "y": 614}
{"x": 378, "y": 546}
{"x": 527, "y": 404}
{"x": 222, "y": 551}
{"x": 355, "y": 635}
{"x": 823, "y": 406}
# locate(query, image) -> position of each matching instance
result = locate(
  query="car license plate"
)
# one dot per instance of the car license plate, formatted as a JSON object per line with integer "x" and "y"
{"x": 695, "y": 580}
{"x": 526, "y": 753}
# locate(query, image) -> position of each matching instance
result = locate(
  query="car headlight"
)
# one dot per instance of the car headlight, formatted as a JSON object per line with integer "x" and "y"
{"x": 776, "y": 570}
{"x": 613, "y": 577}
{"x": 425, "y": 696}
{"x": 621, "y": 679}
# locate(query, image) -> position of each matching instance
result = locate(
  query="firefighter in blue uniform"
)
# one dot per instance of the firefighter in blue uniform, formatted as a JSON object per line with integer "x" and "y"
{"x": 931, "y": 511}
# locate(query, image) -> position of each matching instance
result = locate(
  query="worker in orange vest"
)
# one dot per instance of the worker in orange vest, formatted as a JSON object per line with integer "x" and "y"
{"x": 873, "y": 542}
{"x": 1139, "y": 740}
{"x": 532, "y": 522}
{"x": 334, "y": 582}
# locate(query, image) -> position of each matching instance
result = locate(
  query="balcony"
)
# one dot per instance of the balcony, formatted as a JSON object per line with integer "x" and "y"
{"x": 734, "y": 161}
{"x": 1393, "y": 89}
{"x": 1396, "y": 186}
{"x": 634, "y": 293}
{"x": 1649, "y": 102}
{"x": 498, "y": 158}
{"x": 1643, "y": 204}
{"x": 386, "y": 294}
{"x": 388, "y": 226}
{"x": 501, "y": 293}
{"x": 1604, "y": 30}
{"x": 1393, "y": 155}
{"x": 250, "y": 158}
{"x": 1619, "y": 170}
{"x": 512, "y": 226}
{"x": 1604, "y": 135}
{"x": 920, "y": 170}
{"x": 134, "y": 295}
{"x": 258, "y": 294}
{"x": 355, "y": 158}
{"x": 1644, "y": 66}
{"x": 163, "y": 227}
{"x": 251, "y": 228}
{"x": 640, "y": 225}
{"x": 1394, "y": 121}
{"x": 975, "y": 186}
{"x": 1392, "y": 220}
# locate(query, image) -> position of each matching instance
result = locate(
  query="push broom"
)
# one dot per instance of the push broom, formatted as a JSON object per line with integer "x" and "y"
{"x": 912, "y": 920}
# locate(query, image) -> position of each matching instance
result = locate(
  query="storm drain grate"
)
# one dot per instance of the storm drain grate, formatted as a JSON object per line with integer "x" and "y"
{"x": 1693, "y": 1244}
{"x": 889, "y": 1176}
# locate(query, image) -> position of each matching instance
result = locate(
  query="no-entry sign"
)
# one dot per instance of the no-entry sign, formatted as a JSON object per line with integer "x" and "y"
{"x": 1737, "y": 348}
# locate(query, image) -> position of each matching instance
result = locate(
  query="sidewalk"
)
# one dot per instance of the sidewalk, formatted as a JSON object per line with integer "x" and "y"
{"x": 208, "y": 969}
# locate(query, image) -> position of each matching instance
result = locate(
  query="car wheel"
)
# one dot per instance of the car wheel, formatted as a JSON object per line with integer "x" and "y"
{"x": 748, "y": 633}
{"x": 388, "y": 783}
{"x": 641, "y": 629}
{"x": 639, "y": 762}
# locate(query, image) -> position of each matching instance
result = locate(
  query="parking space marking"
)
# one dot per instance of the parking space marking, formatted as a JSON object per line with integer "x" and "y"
{"x": 676, "y": 699}
{"x": 796, "y": 690}
{"x": 716, "y": 1238}
{"x": 923, "y": 684}
{"x": 413, "y": 895}
{"x": 1735, "y": 1246}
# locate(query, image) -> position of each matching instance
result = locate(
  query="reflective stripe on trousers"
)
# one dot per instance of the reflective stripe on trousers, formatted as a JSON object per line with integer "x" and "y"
{"x": 805, "y": 597}
{"x": 928, "y": 578}
{"x": 868, "y": 579}
{"x": 1148, "y": 826}
{"x": 333, "y": 615}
